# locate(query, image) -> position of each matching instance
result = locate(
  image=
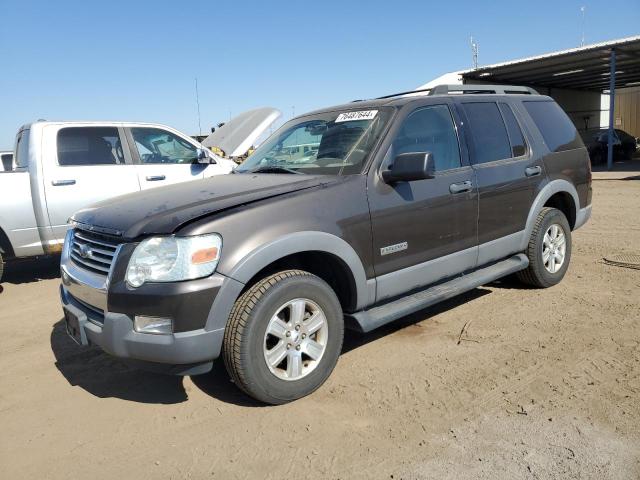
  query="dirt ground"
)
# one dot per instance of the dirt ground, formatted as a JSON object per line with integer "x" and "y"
{"x": 543, "y": 384}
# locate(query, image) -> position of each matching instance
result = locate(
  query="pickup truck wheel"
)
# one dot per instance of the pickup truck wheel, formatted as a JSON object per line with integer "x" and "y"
{"x": 549, "y": 249}
{"x": 284, "y": 337}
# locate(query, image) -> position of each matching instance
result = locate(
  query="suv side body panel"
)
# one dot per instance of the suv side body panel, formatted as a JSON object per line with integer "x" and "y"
{"x": 434, "y": 230}
{"x": 506, "y": 193}
{"x": 332, "y": 218}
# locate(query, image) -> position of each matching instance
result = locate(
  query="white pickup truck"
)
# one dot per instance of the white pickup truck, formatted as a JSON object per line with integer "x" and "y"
{"x": 61, "y": 167}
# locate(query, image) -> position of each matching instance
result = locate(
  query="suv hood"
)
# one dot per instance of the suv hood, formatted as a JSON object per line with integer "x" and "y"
{"x": 163, "y": 210}
{"x": 236, "y": 136}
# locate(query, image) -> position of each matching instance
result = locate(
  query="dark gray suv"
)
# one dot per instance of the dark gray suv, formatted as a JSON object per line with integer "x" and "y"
{"x": 352, "y": 216}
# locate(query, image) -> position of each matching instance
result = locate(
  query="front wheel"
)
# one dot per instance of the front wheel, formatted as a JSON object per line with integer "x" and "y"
{"x": 549, "y": 249}
{"x": 284, "y": 337}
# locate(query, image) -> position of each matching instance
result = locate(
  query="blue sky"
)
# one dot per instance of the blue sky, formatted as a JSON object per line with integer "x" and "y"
{"x": 137, "y": 60}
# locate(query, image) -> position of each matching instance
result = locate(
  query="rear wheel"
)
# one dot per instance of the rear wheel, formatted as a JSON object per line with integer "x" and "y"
{"x": 284, "y": 337}
{"x": 549, "y": 249}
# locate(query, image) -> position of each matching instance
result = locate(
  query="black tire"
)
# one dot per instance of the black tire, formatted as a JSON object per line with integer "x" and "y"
{"x": 536, "y": 274}
{"x": 244, "y": 337}
{"x": 1, "y": 266}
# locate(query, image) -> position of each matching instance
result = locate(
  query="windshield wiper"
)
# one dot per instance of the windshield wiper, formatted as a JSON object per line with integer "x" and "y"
{"x": 273, "y": 169}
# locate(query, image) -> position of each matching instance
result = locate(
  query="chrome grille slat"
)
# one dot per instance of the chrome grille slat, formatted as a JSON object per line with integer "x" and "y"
{"x": 82, "y": 236}
{"x": 106, "y": 261}
{"x": 106, "y": 253}
{"x": 87, "y": 263}
{"x": 101, "y": 253}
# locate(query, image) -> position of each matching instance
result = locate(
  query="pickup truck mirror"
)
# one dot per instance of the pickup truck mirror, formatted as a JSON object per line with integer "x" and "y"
{"x": 407, "y": 167}
{"x": 204, "y": 157}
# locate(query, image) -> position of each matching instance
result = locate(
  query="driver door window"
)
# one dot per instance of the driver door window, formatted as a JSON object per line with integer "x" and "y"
{"x": 164, "y": 158}
{"x": 430, "y": 129}
{"x": 159, "y": 146}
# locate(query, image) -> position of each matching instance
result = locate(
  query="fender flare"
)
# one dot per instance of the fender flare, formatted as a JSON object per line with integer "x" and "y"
{"x": 550, "y": 189}
{"x": 281, "y": 247}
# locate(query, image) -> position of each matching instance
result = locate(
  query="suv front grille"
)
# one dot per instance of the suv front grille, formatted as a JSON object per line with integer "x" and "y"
{"x": 92, "y": 251}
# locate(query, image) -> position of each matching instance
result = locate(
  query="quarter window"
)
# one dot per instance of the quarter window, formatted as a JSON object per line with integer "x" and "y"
{"x": 488, "y": 131}
{"x": 159, "y": 146}
{"x": 516, "y": 138}
{"x": 89, "y": 146}
{"x": 556, "y": 128}
{"x": 430, "y": 129}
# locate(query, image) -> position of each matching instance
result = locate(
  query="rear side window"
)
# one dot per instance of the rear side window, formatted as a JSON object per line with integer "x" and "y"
{"x": 7, "y": 162}
{"x": 430, "y": 129}
{"x": 556, "y": 128}
{"x": 89, "y": 146}
{"x": 518, "y": 145}
{"x": 490, "y": 138}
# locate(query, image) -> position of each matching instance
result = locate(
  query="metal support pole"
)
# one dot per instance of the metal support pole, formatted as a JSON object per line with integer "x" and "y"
{"x": 612, "y": 105}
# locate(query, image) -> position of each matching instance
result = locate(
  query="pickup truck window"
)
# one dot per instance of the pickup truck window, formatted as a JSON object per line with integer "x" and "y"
{"x": 488, "y": 131}
{"x": 430, "y": 129}
{"x": 332, "y": 143}
{"x": 159, "y": 146}
{"x": 556, "y": 128}
{"x": 79, "y": 146}
{"x": 22, "y": 149}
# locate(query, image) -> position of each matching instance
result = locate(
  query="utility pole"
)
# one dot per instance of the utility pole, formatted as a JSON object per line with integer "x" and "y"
{"x": 198, "y": 104}
{"x": 474, "y": 52}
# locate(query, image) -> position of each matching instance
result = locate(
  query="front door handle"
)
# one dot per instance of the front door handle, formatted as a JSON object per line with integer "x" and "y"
{"x": 461, "y": 187}
{"x": 155, "y": 178}
{"x": 533, "y": 171}
{"x": 62, "y": 183}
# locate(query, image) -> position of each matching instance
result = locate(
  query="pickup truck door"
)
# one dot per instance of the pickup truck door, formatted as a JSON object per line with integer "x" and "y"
{"x": 424, "y": 230}
{"x": 163, "y": 157}
{"x": 82, "y": 165}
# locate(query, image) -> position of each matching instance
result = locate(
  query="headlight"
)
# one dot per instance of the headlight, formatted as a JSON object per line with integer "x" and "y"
{"x": 171, "y": 259}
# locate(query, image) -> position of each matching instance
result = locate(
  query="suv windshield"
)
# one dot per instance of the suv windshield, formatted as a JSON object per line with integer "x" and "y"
{"x": 332, "y": 143}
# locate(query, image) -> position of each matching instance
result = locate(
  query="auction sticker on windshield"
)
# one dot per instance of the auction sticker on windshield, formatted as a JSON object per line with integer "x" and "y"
{"x": 351, "y": 116}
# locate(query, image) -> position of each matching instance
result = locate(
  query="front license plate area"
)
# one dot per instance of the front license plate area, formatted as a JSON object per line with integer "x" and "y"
{"x": 74, "y": 325}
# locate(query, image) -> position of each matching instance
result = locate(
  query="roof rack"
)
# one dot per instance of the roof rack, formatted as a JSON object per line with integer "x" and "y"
{"x": 468, "y": 89}
{"x": 482, "y": 89}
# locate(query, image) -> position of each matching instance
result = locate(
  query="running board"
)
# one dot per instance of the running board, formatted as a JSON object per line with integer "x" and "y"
{"x": 367, "y": 320}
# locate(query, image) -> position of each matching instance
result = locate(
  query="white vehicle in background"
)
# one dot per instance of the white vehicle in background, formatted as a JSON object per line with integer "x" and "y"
{"x": 61, "y": 167}
{"x": 6, "y": 162}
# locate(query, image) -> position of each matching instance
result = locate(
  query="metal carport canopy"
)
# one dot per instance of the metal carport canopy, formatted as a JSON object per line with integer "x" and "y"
{"x": 597, "y": 67}
{"x": 582, "y": 68}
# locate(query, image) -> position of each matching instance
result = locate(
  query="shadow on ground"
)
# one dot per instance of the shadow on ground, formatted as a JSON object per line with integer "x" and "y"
{"x": 107, "y": 377}
{"x": 31, "y": 270}
{"x": 104, "y": 376}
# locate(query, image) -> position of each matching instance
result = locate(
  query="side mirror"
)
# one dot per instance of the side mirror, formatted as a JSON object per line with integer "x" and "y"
{"x": 204, "y": 157}
{"x": 408, "y": 167}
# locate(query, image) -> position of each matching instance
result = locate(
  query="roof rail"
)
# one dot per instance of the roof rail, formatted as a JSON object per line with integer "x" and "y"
{"x": 481, "y": 89}
{"x": 466, "y": 89}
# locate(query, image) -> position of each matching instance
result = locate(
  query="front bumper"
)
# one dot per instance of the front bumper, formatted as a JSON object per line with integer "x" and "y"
{"x": 114, "y": 333}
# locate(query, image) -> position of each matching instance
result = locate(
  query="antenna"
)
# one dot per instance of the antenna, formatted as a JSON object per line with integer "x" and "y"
{"x": 474, "y": 51}
{"x": 198, "y": 104}
{"x": 582, "y": 9}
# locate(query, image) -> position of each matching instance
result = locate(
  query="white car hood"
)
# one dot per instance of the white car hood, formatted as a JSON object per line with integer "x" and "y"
{"x": 236, "y": 136}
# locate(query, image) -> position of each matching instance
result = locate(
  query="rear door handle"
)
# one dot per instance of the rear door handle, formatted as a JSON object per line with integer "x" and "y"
{"x": 155, "y": 178}
{"x": 533, "y": 171}
{"x": 62, "y": 183}
{"x": 461, "y": 187}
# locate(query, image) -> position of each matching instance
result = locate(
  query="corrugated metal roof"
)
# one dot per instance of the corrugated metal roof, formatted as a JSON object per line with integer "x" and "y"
{"x": 584, "y": 67}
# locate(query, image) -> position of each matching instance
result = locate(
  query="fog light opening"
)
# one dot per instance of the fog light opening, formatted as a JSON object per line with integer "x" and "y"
{"x": 154, "y": 325}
